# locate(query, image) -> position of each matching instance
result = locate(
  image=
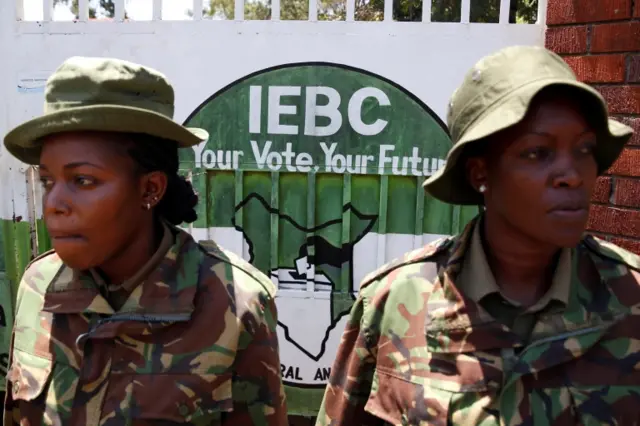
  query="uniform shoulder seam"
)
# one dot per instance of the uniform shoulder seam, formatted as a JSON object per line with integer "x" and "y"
{"x": 33, "y": 267}
{"x": 40, "y": 257}
{"x": 612, "y": 252}
{"x": 212, "y": 249}
{"x": 415, "y": 256}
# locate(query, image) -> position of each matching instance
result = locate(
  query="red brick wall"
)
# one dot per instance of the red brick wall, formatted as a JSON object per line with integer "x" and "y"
{"x": 600, "y": 40}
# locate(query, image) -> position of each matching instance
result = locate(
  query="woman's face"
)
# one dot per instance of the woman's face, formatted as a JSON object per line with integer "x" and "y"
{"x": 93, "y": 198}
{"x": 541, "y": 173}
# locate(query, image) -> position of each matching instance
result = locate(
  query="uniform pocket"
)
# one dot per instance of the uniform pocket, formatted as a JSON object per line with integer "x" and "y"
{"x": 41, "y": 389}
{"x": 29, "y": 376}
{"x": 402, "y": 402}
{"x": 182, "y": 398}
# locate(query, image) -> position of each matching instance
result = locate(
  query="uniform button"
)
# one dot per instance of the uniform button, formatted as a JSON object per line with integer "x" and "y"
{"x": 183, "y": 410}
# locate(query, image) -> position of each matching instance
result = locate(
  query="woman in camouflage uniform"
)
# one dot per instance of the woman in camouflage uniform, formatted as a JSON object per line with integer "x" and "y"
{"x": 521, "y": 319}
{"x": 129, "y": 321}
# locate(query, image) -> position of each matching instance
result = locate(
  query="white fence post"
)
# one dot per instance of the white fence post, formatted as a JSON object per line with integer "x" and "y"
{"x": 351, "y": 10}
{"x": 505, "y": 6}
{"x": 542, "y": 12}
{"x": 388, "y": 10}
{"x": 313, "y": 10}
{"x": 465, "y": 12}
{"x": 426, "y": 10}
{"x": 119, "y": 10}
{"x": 238, "y": 12}
{"x": 197, "y": 10}
{"x": 18, "y": 13}
{"x": 157, "y": 10}
{"x": 10, "y": 12}
{"x": 47, "y": 11}
{"x": 83, "y": 10}
{"x": 275, "y": 10}
{"x": 14, "y": 209}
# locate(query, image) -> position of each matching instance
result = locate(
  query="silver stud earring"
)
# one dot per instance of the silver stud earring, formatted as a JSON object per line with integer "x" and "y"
{"x": 148, "y": 206}
{"x": 483, "y": 188}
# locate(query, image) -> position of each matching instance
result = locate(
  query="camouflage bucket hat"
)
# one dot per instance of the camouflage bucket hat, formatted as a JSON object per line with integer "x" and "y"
{"x": 102, "y": 94}
{"x": 496, "y": 94}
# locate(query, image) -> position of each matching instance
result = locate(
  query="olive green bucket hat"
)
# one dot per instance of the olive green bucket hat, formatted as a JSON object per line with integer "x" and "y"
{"x": 496, "y": 94}
{"x": 102, "y": 94}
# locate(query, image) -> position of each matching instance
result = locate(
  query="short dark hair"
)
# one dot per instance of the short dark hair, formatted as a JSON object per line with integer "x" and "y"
{"x": 151, "y": 154}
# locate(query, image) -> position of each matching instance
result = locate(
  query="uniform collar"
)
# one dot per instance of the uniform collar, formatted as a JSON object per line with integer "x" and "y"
{"x": 454, "y": 322}
{"x": 168, "y": 239}
{"x": 169, "y": 287}
{"x": 476, "y": 280}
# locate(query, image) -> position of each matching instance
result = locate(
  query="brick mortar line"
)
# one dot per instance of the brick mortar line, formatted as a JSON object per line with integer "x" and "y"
{"x": 597, "y": 54}
{"x": 631, "y": 209}
{"x": 612, "y": 190}
{"x": 618, "y": 206}
{"x": 613, "y": 177}
{"x": 607, "y": 234}
{"x": 616, "y": 115}
{"x": 618, "y": 84}
{"x": 583, "y": 24}
{"x": 632, "y": 147}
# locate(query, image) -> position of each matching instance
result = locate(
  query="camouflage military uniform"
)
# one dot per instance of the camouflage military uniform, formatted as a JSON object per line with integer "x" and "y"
{"x": 195, "y": 345}
{"x": 417, "y": 351}
{"x": 432, "y": 341}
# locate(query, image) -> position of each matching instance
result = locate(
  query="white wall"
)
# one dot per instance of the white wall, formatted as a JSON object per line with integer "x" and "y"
{"x": 200, "y": 57}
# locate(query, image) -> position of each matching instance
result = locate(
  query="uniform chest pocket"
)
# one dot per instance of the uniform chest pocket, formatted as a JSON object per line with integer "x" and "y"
{"x": 43, "y": 390}
{"x": 29, "y": 376}
{"x": 193, "y": 399}
{"x": 425, "y": 401}
{"x": 402, "y": 402}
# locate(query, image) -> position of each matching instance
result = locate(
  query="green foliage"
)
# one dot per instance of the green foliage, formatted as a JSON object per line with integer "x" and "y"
{"x": 488, "y": 11}
{"x": 106, "y": 7}
{"x": 527, "y": 12}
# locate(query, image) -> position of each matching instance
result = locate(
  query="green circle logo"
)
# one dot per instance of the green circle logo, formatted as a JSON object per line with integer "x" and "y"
{"x": 313, "y": 173}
